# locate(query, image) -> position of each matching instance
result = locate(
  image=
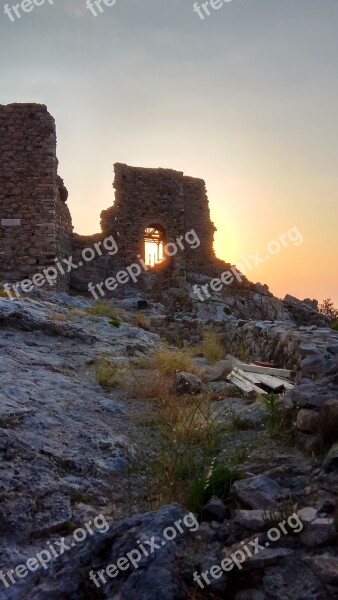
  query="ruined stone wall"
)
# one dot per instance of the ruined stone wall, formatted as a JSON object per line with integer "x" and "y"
{"x": 197, "y": 217}
{"x": 35, "y": 223}
{"x": 281, "y": 343}
{"x": 167, "y": 200}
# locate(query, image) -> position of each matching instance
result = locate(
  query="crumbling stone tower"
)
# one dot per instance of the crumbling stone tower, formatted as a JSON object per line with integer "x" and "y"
{"x": 35, "y": 223}
{"x": 167, "y": 201}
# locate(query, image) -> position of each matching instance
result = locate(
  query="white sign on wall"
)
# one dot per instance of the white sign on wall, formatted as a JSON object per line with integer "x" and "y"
{"x": 10, "y": 222}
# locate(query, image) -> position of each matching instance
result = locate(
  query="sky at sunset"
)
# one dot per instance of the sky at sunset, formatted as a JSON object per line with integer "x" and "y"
{"x": 246, "y": 99}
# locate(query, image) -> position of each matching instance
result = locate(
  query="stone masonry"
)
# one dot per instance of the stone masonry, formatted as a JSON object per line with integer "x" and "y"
{"x": 35, "y": 223}
{"x": 168, "y": 201}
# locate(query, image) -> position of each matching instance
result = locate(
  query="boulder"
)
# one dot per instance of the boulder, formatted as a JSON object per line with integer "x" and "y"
{"x": 255, "y": 520}
{"x": 257, "y": 492}
{"x": 317, "y": 530}
{"x": 215, "y": 510}
{"x": 308, "y": 421}
{"x": 313, "y": 395}
{"x": 310, "y": 442}
{"x": 267, "y": 557}
{"x": 325, "y": 566}
{"x": 187, "y": 383}
{"x": 331, "y": 460}
{"x": 330, "y": 410}
{"x": 218, "y": 371}
{"x": 307, "y": 348}
{"x": 313, "y": 366}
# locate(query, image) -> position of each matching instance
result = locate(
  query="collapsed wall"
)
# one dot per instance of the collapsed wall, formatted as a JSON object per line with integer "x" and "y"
{"x": 164, "y": 199}
{"x": 35, "y": 223}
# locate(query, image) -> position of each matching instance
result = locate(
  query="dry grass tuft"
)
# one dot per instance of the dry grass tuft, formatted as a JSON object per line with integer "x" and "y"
{"x": 106, "y": 373}
{"x": 101, "y": 308}
{"x": 169, "y": 361}
{"x": 212, "y": 348}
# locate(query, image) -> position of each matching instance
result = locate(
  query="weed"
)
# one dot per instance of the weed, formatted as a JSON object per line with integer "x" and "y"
{"x": 101, "y": 308}
{"x": 67, "y": 527}
{"x": 218, "y": 483}
{"x": 242, "y": 352}
{"x": 279, "y": 421}
{"x": 170, "y": 361}
{"x": 189, "y": 439}
{"x": 55, "y": 316}
{"x": 141, "y": 320}
{"x": 7, "y": 421}
{"x": 115, "y": 323}
{"x": 273, "y": 407}
{"x": 146, "y": 383}
{"x": 274, "y": 516}
{"x": 105, "y": 446}
{"x": 106, "y": 373}
{"x": 77, "y": 497}
{"x": 211, "y": 347}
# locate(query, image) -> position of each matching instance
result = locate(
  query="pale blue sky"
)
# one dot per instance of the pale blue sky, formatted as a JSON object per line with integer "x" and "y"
{"x": 246, "y": 99}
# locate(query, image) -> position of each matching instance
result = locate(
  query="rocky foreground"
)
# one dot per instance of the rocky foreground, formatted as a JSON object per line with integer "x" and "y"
{"x": 67, "y": 444}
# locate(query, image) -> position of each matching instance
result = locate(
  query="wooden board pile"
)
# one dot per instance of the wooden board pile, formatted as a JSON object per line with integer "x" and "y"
{"x": 255, "y": 379}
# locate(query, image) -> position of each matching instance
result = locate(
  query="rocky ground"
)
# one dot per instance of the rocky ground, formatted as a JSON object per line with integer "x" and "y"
{"x": 67, "y": 445}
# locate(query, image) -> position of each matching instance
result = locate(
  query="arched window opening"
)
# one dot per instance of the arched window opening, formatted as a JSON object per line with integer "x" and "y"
{"x": 153, "y": 245}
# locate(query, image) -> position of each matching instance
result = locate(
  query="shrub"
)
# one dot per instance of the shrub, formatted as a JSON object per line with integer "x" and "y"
{"x": 141, "y": 320}
{"x": 218, "y": 482}
{"x": 280, "y": 423}
{"x": 334, "y": 326}
{"x": 170, "y": 361}
{"x": 328, "y": 309}
{"x": 101, "y": 308}
{"x": 211, "y": 347}
{"x": 189, "y": 437}
{"x": 115, "y": 323}
{"x": 148, "y": 383}
{"x": 106, "y": 373}
{"x": 273, "y": 412}
{"x": 3, "y": 293}
{"x": 242, "y": 352}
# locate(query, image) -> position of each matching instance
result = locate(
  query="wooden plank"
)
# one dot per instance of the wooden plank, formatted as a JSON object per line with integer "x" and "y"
{"x": 263, "y": 370}
{"x": 248, "y": 376}
{"x": 274, "y": 383}
{"x": 246, "y": 386}
{"x": 258, "y": 390}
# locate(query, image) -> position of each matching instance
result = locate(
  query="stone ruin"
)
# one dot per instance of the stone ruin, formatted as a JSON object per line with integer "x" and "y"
{"x": 163, "y": 200}
{"x": 156, "y": 205}
{"x": 36, "y": 227}
{"x": 35, "y": 223}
